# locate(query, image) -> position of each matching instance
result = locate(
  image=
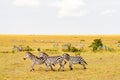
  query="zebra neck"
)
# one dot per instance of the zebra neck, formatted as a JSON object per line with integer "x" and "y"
{"x": 68, "y": 58}
{"x": 32, "y": 58}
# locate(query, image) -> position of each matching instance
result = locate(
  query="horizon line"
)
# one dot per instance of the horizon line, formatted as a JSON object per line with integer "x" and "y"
{"x": 61, "y": 34}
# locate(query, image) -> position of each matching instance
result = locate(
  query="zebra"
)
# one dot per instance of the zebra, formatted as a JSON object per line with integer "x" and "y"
{"x": 74, "y": 60}
{"x": 52, "y": 60}
{"x": 17, "y": 48}
{"x": 34, "y": 59}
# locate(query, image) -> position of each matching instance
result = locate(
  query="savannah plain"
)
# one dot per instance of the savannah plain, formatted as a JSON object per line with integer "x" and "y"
{"x": 102, "y": 65}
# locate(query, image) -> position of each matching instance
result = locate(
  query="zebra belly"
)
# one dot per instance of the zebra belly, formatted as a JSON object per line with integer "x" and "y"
{"x": 39, "y": 62}
{"x": 75, "y": 62}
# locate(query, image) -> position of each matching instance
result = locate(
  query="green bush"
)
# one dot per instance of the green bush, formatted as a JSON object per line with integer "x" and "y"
{"x": 69, "y": 48}
{"x": 27, "y": 48}
{"x": 38, "y": 49}
{"x": 51, "y": 49}
{"x": 73, "y": 49}
{"x": 13, "y": 51}
{"x": 4, "y": 52}
{"x": 97, "y": 43}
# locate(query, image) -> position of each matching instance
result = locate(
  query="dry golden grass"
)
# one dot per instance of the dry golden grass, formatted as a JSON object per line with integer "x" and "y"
{"x": 103, "y": 65}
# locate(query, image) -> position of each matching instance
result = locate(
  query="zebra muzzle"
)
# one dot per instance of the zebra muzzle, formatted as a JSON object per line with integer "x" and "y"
{"x": 24, "y": 58}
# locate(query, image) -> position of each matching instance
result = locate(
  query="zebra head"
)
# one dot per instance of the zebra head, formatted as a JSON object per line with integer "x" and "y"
{"x": 27, "y": 55}
{"x": 66, "y": 56}
{"x": 44, "y": 55}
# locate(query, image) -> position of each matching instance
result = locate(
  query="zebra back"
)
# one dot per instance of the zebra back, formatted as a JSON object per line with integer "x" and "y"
{"x": 51, "y": 59}
{"x": 74, "y": 59}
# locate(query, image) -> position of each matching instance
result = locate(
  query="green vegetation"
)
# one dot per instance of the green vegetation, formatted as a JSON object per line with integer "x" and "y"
{"x": 28, "y": 48}
{"x": 38, "y": 49}
{"x": 96, "y": 44}
{"x": 69, "y": 48}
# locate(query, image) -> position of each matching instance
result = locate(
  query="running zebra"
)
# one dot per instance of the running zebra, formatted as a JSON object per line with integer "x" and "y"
{"x": 74, "y": 60}
{"x": 52, "y": 60}
{"x": 34, "y": 59}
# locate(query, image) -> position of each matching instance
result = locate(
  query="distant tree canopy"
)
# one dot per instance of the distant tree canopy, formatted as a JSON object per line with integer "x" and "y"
{"x": 96, "y": 44}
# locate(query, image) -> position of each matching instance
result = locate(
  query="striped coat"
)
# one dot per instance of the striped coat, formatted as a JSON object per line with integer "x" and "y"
{"x": 74, "y": 60}
{"x": 34, "y": 59}
{"x": 52, "y": 60}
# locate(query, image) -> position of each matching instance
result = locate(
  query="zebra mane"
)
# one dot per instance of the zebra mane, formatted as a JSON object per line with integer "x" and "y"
{"x": 32, "y": 55}
{"x": 44, "y": 53}
{"x": 67, "y": 56}
{"x": 29, "y": 53}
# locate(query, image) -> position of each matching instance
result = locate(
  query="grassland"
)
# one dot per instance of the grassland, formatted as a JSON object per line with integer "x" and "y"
{"x": 102, "y": 65}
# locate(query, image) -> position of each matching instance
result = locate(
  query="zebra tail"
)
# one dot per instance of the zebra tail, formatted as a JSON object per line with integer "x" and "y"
{"x": 85, "y": 62}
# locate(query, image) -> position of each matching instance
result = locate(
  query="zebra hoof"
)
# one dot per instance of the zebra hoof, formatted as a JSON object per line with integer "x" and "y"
{"x": 59, "y": 70}
{"x": 85, "y": 68}
{"x": 71, "y": 68}
{"x": 31, "y": 70}
{"x": 46, "y": 70}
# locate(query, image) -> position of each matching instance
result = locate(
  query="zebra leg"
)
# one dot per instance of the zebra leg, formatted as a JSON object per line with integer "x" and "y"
{"x": 70, "y": 66}
{"x": 61, "y": 66}
{"x": 46, "y": 67}
{"x": 32, "y": 67}
{"x": 52, "y": 68}
{"x": 83, "y": 65}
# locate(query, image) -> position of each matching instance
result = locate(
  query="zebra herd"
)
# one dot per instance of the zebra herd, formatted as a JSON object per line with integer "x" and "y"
{"x": 52, "y": 60}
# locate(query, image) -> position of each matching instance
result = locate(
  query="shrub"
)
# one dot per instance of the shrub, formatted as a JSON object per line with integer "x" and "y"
{"x": 27, "y": 48}
{"x": 96, "y": 44}
{"x": 13, "y": 51}
{"x": 4, "y": 52}
{"x": 69, "y": 48}
{"x": 119, "y": 41}
{"x": 73, "y": 49}
{"x": 51, "y": 49}
{"x": 38, "y": 49}
{"x": 77, "y": 53}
